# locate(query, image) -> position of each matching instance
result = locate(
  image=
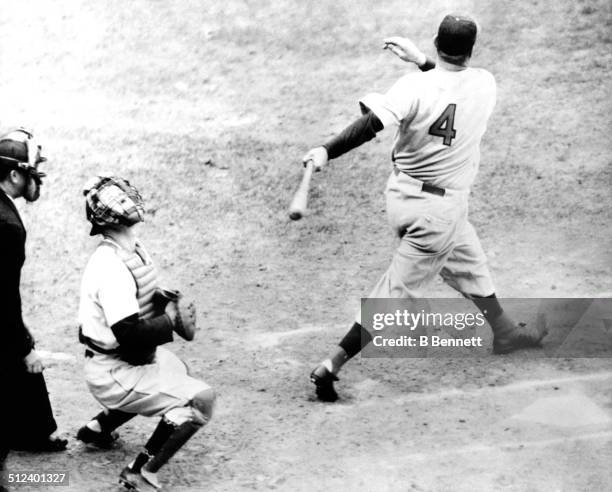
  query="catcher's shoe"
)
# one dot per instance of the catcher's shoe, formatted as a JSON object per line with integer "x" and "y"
{"x": 324, "y": 384}
{"x": 136, "y": 481}
{"x": 128, "y": 478}
{"x": 102, "y": 440}
{"x": 150, "y": 478}
{"x": 509, "y": 336}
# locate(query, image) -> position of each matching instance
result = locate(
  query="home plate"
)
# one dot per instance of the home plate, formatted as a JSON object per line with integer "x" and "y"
{"x": 571, "y": 410}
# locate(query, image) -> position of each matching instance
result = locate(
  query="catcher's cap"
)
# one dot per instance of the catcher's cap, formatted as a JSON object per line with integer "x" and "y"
{"x": 456, "y": 35}
{"x": 110, "y": 200}
{"x": 19, "y": 150}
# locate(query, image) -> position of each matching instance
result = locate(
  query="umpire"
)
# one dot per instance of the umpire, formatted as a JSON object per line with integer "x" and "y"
{"x": 26, "y": 420}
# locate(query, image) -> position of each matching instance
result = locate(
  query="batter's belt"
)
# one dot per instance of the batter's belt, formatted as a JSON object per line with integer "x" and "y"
{"x": 427, "y": 188}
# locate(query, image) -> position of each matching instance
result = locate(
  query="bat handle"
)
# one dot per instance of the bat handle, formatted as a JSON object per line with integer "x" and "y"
{"x": 309, "y": 167}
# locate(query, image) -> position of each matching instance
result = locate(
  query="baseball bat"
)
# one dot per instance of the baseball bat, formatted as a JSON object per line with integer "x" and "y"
{"x": 298, "y": 206}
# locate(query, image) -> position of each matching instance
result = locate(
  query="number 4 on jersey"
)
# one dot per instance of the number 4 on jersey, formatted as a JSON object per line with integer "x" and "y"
{"x": 443, "y": 126}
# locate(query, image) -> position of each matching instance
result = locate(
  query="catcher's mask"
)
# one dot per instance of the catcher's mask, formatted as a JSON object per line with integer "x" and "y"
{"x": 109, "y": 201}
{"x": 19, "y": 150}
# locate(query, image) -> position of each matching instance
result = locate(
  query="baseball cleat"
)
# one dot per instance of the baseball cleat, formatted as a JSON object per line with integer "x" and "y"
{"x": 136, "y": 482}
{"x": 102, "y": 440}
{"x": 128, "y": 478}
{"x": 150, "y": 478}
{"x": 509, "y": 337}
{"x": 324, "y": 384}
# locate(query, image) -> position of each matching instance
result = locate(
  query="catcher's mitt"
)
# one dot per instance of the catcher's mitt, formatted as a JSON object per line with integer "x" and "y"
{"x": 185, "y": 321}
{"x": 162, "y": 297}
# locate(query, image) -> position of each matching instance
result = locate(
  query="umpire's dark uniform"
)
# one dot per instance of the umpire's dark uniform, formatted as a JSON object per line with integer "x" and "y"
{"x": 26, "y": 412}
{"x": 26, "y": 419}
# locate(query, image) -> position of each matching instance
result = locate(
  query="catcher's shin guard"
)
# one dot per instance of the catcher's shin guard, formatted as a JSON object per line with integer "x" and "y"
{"x": 160, "y": 435}
{"x": 177, "y": 439}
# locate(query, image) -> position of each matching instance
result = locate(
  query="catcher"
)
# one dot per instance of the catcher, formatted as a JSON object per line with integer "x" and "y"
{"x": 124, "y": 319}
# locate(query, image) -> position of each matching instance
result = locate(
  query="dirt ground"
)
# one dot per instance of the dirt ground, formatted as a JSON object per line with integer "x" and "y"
{"x": 207, "y": 108}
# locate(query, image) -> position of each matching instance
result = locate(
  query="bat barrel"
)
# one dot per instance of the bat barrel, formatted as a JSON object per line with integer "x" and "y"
{"x": 299, "y": 204}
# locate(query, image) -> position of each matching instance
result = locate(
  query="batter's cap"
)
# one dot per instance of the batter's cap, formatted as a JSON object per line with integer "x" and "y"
{"x": 19, "y": 150}
{"x": 456, "y": 35}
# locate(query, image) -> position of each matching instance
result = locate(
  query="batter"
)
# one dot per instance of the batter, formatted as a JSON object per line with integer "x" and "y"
{"x": 440, "y": 115}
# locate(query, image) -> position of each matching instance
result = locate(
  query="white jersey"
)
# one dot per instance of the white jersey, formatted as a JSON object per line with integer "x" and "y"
{"x": 441, "y": 117}
{"x": 108, "y": 295}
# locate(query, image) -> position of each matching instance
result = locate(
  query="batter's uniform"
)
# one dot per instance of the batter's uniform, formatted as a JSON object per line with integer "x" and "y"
{"x": 440, "y": 116}
{"x": 117, "y": 284}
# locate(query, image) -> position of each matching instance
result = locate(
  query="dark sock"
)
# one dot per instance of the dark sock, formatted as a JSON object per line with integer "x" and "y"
{"x": 160, "y": 435}
{"x": 355, "y": 339}
{"x": 489, "y": 306}
{"x": 112, "y": 419}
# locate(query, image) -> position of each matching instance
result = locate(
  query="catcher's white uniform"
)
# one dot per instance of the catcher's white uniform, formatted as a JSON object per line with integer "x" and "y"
{"x": 441, "y": 116}
{"x": 109, "y": 293}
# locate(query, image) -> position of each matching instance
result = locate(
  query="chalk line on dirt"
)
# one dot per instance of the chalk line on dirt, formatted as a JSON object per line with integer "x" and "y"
{"x": 56, "y": 356}
{"x": 272, "y": 338}
{"x": 503, "y": 446}
{"x": 476, "y": 392}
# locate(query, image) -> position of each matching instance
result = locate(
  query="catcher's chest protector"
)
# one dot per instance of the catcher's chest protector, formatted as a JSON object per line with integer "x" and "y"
{"x": 145, "y": 275}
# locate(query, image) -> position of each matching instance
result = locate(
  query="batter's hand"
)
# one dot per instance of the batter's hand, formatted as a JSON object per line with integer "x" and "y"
{"x": 33, "y": 362}
{"x": 405, "y": 50}
{"x": 318, "y": 156}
